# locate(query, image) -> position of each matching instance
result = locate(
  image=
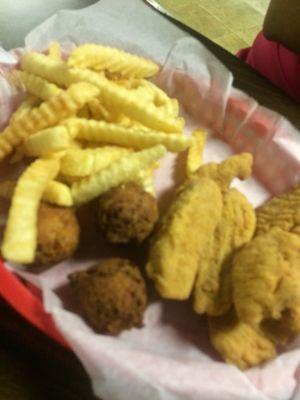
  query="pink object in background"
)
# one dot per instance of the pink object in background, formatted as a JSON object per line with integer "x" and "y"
{"x": 276, "y": 62}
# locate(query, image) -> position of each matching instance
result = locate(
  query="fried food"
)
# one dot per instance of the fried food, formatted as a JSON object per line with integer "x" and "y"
{"x": 282, "y": 212}
{"x": 47, "y": 114}
{"x": 84, "y": 162}
{"x": 58, "y": 234}
{"x": 237, "y": 166}
{"x": 56, "y": 193}
{"x": 212, "y": 293}
{"x": 20, "y": 235}
{"x": 104, "y": 132}
{"x": 112, "y": 295}
{"x": 266, "y": 277}
{"x": 127, "y": 214}
{"x": 54, "y": 51}
{"x": 186, "y": 236}
{"x": 112, "y": 60}
{"x": 183, "y": 233}
{"x": 239, "y": 343}
{"x": 118, "y": 172}
{"x": 28, "y": 104}
{"x": 34, "y": 85}
{"x": 48, "y": 141}
{"x": 194, "y": 155}
{"x": 114, "y": 96}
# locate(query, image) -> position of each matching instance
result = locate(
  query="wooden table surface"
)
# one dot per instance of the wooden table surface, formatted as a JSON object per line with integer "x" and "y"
{"x": 32, "y": 367}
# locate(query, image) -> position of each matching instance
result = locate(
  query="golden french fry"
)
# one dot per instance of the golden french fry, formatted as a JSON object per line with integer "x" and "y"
{"x": 56, "y": 193}
{"x": 129, "y": 102}
{"x": 158, "y": 97}
{"x": 113, "y": 95}
{"x": 194, "y": 156}
{"x": 59, "y": 194}
{"x": 99, "y": 111}
{"x": 56, "y": 71}
{"x": 103, "y": 132}
{"x": 20, "y": 235}
{"x": 81, "y": 163}
{"x": 47, "y": 114}
{"x": 171, "y": 108}
{"x": 28, "y": 104}
{"x": 116, "y": 173}
{"x": 84, "y": 112}
{"x": 48, "y": 141}
{"x": 54, "y": 51}
{"x": 145, "y": 179}
{"x": 34, "y": 85}
{"x": 113, "y": 60}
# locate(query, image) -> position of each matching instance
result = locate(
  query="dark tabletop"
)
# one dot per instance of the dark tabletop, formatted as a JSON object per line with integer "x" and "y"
{"x": 34, "y": 367}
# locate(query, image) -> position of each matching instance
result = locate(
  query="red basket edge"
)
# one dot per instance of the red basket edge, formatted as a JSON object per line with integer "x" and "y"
{"x": 20, "y": 298}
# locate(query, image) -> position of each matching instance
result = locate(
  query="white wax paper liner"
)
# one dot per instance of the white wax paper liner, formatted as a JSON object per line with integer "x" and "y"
{"x": 170, "y": 358}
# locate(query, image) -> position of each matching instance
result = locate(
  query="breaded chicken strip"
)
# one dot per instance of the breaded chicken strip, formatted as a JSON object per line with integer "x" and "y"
{"x": 237, "y": 166}
{"x": 187, "y": 233}
{"x": 282, "y": 212}
{"x": 283, "y": 331}
{"x": 183, "y": 234}
{"x": 213, "y": 292}
{"x": 239, "y": 343}
{"x": 266, "y": 277}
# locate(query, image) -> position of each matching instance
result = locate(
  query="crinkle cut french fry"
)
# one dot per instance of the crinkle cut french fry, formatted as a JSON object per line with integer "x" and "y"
{"x": 129, "y": 103}
{"x": 103, "y": 132}
{"x": 116, "y": 173}
{"x": 54, "y": 51}
{"x": 120, "y": 98}
{"x": 145, "y": 179}
{"x": 89, "y": 161}
{"x": 28, "y": 104}
{"x": 56, "y": 71}
{"x": 195, "y": 152}
{"x": 56, "y": 193}
{"x": 59, "y": 194}
{"x": 112, "y": 94}
{"x": 20, "y": 235}
{"x": 113, "y": 60}
{"x": 47, "y": 114}
{"x": 48, "y": 141}
{"x": 34, "y": 85}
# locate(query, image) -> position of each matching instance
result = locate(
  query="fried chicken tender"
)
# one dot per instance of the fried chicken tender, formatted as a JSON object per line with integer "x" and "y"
{"x": 266, "y": 279}
{"x": 282, "y": 212}
{"x": 188, "y": 236}
{"x": 237, "y": 166}
{"x": 239, "y": 343}
{"x": 127, "y": 214}
{"x": 58, "y": 234}
{"x": 183, "y": 233}
{"x": 112, "y": 295}
{"x": 213, "y": 291}
{"x": 283, "y": 331}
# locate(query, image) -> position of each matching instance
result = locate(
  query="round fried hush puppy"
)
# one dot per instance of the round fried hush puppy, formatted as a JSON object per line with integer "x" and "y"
{"x": 58, "y": 234}
{"x": 112, "y": 295}
{"x": 127, "y": 214}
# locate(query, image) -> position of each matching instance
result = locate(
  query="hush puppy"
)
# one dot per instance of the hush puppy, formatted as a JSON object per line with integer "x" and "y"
{"x": 112, "y": 295}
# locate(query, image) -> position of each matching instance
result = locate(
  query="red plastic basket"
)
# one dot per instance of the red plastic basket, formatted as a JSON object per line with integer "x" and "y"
{"x": 28, "y": 303}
